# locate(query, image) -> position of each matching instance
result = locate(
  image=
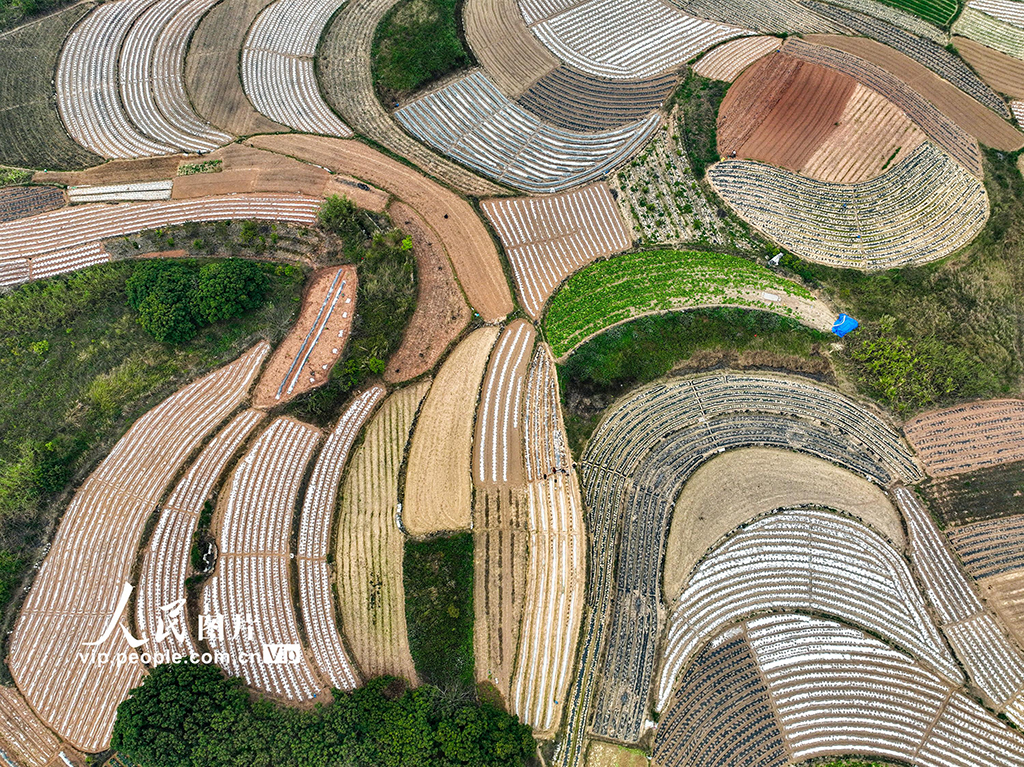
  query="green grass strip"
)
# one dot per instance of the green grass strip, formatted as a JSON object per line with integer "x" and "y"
{"x": 627, "y": 286}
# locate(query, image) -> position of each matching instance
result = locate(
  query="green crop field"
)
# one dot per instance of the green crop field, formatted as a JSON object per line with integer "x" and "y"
{"x": 634, "y": 284}
{"x": 31, "y": 133}
{"x": 938, "y": 12}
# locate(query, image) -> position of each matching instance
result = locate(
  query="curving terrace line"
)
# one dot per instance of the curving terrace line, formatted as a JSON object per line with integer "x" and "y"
{"x": 151, "y": 76}
{"x": 632, "y": 469}
{"x": 277, "y": 66}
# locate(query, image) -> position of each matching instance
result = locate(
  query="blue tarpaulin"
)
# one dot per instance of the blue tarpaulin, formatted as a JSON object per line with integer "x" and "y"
{"x": 844, "y": 324}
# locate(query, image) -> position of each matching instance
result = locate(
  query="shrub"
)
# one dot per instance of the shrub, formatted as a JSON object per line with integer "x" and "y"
{"x": 228, "y": 289}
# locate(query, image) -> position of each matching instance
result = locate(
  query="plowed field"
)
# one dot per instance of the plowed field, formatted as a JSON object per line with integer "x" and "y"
{"x": 1004, "y": 73}
{"x": 441, "y": 311}
{"x": 245, "y": 169}
{"x": 806, "y": 102}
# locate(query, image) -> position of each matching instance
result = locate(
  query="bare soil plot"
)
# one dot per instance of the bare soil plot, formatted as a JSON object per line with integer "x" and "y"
{"x": 1004, "y": 73}
{"x": 977, "y": 120}
{"x": 741, "y": 484}
{"x": 345, "y": 78}
{"x": 601, "y": 754}
{"x": 804, "y": 112}
{"x": 500, "y": 518}
{"x": 31, "y": 132}
{"x": 97, "y": 541}
{"x": 245, "y": 169}
{"x": 988, "y": 493}
{"x": 370, "y": 547}
{"x": 463, "y": 235}
{"x": 1004, "y": 594}
{"x": 504, "y": 45}
{"x": 304, "y": 359}
{"x": 498, "y": 448}
{"x": 968, "y": 437}
{"x": 438, "y": 485}
{"x": 752, "y": 98}
{"x": 114, "y": 172}
{"x": 729, "y": 59}
{"x": 211, "y": 69}
{"x": 873, "y": 134}
{"x": 22, "y": 736}
{"x": 22, "y": 201}
{"x": 441, "y": 311}
{"x": 363, "y": 195}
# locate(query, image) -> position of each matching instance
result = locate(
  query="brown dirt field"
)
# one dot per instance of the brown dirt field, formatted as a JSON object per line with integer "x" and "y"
{"x": 211, "y": 69}
{"x": 1004, "y": 594}
{"x": 464, "y": 237}
{"x": 873, "y": 135}
{"x": 968, "y": 437}
{"x": 245, "y": 169}
{"x": 602, "y": 754}
{"x": 504, "y": 45}
{"x": 22, "y": 735}
{"x": 114, "y": 172}
{"x": 369, "y": 198}
{"x": 441, "y": 311}
{"x": 738, "y": 485}
{"x": 807, "y": 112}
{"x": 500, "y": 518}
{"x": 1004, "y": 73}
{"x": 751, "y": 98}
{"x": 728, "y": 60}
{"x": 370, "y": 547}
{"x": 438, "y": 485}
{"x": 981, "y": 122}
{"x": 325, "y": 352}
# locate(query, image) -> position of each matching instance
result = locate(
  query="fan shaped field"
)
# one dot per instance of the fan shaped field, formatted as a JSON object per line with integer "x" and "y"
{"x": 97, "y": 541}
{"x": 1002, "y": 72}
{"x": 441, "y": 311}
{"x": 212, "y": 75}
{"x": 968, "y": 437}
{"x": 504, "y": 46}
{"x": 370, "y": 547}
{"x": 438, "y": 485}
{"x": 31, "y": 133}
{"x": 303, "y": 361}
{"x": 925, "y": 208}
{"x": 548, "y": 238}
{"x": 740, "y": 485}
{"x": 785, "y": 124}
{"x": 465, "y": 239}
{"x": 1008, "y": 11}
{"x": 729, "y": 59}
{"x": 628, "y": 286}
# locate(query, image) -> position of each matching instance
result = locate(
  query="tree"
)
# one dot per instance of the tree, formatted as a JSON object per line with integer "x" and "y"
{"x": 228, "y": 289}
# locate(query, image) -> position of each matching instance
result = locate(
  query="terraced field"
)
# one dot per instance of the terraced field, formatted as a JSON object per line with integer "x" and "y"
{"x": 370, "y": 547}
{"x": 995, "y": 33}
{"x": 624, "y": 287}
{"x": 31, "y": 133}
{"x": 729, "y": 59}
{"x": 968, "y": 437}
{"x": 438, "y": 486}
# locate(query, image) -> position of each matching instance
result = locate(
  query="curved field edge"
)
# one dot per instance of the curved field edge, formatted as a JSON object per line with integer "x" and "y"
{"x": 632, "y": 285}
{"x": 31, "y": 132}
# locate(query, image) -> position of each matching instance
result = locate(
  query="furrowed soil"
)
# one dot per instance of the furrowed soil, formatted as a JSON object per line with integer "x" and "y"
{"x": 31, "y": 133}
{"x": 986, "y": 494}
{"x": 1004, "y": 73}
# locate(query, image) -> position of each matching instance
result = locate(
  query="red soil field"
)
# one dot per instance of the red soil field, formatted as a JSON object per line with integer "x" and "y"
{"x": 780, "y": 111}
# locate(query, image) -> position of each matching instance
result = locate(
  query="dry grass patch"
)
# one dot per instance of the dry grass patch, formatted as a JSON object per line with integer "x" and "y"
{"x": 438, "y": 486}
{"x": 602, "y": 754}
{"x": 741, "y": 484}
{"x": 370, "y": 547}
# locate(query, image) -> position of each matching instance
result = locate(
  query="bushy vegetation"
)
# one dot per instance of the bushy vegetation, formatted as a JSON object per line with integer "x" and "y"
{"x": 438, "y": 576}
{"x": 10, "y": 176}
{"x": 699, "y": 99}
{"x": 191, "y": 715}
{"x": 943, "y": 332}
{"x": 76, "y": 370}
{"x": 634, "y": 353}
{"x": 385, "y": 301}
{"x": 610, "y": 291}
{"x": 174, "y": 299}
{"x": 207, "y": 166}
{"x": 417, "y": 42}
